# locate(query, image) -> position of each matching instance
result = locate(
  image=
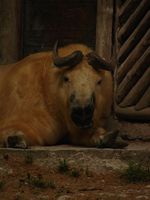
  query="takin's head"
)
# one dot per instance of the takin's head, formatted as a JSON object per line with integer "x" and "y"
{"x": 81, "y": 83}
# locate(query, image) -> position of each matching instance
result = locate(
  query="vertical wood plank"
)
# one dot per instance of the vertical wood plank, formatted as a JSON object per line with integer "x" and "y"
{"x": 104, "y": 28}
{"x": 9, "y": 30}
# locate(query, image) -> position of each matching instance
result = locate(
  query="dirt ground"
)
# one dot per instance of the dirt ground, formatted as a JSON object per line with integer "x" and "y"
{"x": 23, "y": 180}
{"x": 140, "y": 131}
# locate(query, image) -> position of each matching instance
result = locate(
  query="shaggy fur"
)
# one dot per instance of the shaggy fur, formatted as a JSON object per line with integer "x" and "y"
{"x": 34, "y": 100}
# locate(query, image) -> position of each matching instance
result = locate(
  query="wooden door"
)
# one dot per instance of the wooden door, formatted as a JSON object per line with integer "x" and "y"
{"x": 132, "y": 93}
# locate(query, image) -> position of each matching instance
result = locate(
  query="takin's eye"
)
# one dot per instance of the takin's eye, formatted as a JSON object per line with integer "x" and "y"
{"x": 65, "y": 79}
{"x": 99, "y": 81}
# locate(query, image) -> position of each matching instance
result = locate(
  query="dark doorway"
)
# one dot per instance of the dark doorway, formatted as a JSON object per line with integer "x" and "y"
{"x": 69, "y": 21}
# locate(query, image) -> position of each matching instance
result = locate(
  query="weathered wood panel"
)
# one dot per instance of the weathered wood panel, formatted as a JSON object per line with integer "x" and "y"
{"x": 144, "y": 101}
{"x": 134, "y": 38}
{"x": 104, "y": 28}
{"x": 133, "y": 57}
{"x": 132, "y": 99}
{"x": 137, "y": 91}
{"x": 126, "y": 10}
{"x": 9, "y": 31}
{"x": 133, "y": 20}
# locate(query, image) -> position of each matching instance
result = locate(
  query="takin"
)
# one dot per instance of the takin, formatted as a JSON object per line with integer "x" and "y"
{"x": 48, "y": 96}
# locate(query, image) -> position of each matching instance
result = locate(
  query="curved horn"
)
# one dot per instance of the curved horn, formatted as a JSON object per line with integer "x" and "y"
{"x": 70, "y": 60}
{"x": 98, "y": 63}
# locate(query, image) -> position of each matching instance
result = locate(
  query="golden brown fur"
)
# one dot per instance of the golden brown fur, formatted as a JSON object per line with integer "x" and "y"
{"x": 34, "y": 99}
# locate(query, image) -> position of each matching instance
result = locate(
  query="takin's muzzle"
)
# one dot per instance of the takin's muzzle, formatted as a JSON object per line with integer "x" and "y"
{"x": 83, "y": 116}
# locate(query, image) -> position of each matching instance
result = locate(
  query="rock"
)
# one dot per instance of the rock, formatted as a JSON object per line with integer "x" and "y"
{"x": 147, "y": 186}
{"x": 10, "y": 172}
{"x": 64, "y": 197}
{"x": 18, "y": 196}
{"x": 5, "y": 171}
{"x": 142, "y": 197}
{"x": 44, "y": 197}
{"x": 121, "y": 196}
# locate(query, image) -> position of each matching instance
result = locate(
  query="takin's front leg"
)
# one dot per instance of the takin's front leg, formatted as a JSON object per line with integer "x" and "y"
{"x": 34, "y": 132}
{"x": 101, "y": 139}
{"x": 13, "y": 139}
{"x": 111, "y": 139}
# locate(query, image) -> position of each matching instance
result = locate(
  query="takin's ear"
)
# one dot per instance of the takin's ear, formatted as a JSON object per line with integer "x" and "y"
{"x": 99, "y": 63}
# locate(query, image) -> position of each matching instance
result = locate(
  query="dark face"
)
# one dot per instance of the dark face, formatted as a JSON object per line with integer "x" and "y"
{"x": 79, "y": 88}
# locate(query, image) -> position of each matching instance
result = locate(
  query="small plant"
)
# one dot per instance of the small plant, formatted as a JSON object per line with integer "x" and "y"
{"x": 75, "y": 173}
{"x": 87, "y": 172}
{"x": 136, "y": 173}
{"x": 6, "y": 156}
{"x": 39, "y": 182}
{"x": 28, "y": 158}
{"x": 63, "y": 166}
{"x": 1, "y": 184}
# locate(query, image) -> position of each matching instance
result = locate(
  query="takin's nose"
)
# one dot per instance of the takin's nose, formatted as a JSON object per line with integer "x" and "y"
{"x": 83, "y": 116}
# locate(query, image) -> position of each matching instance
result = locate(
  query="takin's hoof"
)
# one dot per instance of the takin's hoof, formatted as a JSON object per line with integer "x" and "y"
{"x": 16, "y": 141}
{"x": 120, "y": 143}
{"x": 112, "y": 140}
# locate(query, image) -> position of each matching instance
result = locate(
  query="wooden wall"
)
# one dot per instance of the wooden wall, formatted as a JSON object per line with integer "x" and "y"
{"x": 132, "y": 94}
{"x": 22, "y": 31}
{"x": 69, "y": 21}
{"x": 104, "y": 40}
{"x": 9, "y": 31}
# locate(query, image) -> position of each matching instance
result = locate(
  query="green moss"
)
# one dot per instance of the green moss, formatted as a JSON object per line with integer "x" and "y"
{"x": 40, "y": 182}
{"x": 63, "y": 166}
{"x": 136, "y": 172}
{"x": 75, "y": 173}
{"x": 28, "y": 158}
{"x": 1, "y": 184}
